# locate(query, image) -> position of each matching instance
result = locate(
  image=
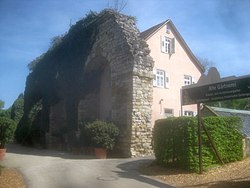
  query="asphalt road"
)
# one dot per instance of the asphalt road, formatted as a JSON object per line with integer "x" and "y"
{"x": 53, "y": 169}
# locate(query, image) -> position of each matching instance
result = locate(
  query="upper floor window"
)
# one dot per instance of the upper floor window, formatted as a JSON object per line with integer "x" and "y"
{"x": 167, "y": 45}
{"x": 188, "y": 80}
{"x": 160, "y": 79}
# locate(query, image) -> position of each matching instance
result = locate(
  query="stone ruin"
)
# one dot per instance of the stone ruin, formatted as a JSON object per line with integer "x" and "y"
{"x": 100, "y": 70}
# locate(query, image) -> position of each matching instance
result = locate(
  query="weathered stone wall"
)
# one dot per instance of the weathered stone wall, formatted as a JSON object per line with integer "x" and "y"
{"x": 246, "y": 147}
{"x": 88, "y": 107}
{"x": 68, "y": 79}
{"x": 119, "y": 43}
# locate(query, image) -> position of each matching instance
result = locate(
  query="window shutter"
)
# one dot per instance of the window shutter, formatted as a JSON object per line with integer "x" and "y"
{"x": 172, "y": 46}
{"x": 154, "y": 80}
{"x": 166, "y": 80}
{"x": 163, "y": 44}
{"x": 195, "y": 113}
{"x": 193, "y": 80}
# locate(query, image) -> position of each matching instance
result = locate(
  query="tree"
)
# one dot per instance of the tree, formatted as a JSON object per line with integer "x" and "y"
{"x": 238, "y": 104}
{"x": 7, "y": 129}
{"x": 206, "y": 63}
{"x": 4, "y": 113}
{"x": 118, "y": 5}
{"x": 1, "y": 104}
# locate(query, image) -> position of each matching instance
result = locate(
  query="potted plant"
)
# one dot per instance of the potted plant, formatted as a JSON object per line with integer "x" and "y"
{"x": 102, "y": 136}
{"x": 7, "y": 129}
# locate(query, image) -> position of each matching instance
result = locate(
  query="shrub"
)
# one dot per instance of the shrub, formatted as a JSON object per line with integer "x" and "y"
{"x": 101, "y": 134}
{"x": 176, "y": 141}
{"x": 7, "y": 129}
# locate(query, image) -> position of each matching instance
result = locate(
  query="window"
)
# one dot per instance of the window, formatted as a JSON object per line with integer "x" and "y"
{"x": 161, "y": 79}
{"x": 167, "y": 45}
{"x": 188, "y": 80}
{"x": 188, "y": 113}
{"x": 168, "y": 112}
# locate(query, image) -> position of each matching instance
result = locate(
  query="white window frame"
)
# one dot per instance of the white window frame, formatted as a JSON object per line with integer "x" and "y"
{"x": 161, "y": 78}
{"x": 167, "y": 45}
{"x": 189, "y": 113}
{"x": 187, "y": 80}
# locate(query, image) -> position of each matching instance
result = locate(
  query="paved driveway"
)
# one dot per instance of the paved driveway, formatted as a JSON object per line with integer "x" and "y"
{"x": 52, "y": 169}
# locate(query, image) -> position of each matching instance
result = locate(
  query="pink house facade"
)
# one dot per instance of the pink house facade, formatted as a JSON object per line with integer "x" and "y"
{"x": 174, "y": 66}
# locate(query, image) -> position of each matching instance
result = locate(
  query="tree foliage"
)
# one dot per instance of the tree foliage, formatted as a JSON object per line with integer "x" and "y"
{"x": 1, "y": 104}
{"x": 238, "y": 104}
{"x": 206, "y": 63}
{"x": 28, "y": 130}
{"x": 7, "y": 128}
{"x": 4, "y": 112}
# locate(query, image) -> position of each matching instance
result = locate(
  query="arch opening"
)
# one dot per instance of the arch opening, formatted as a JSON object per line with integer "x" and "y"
{"x": 97, "y": 102}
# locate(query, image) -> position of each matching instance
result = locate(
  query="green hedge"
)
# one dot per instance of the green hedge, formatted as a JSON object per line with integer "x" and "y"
{"x": 176, "y": 141}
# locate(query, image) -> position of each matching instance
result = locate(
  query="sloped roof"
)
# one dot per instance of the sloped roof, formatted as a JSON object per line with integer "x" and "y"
{"x": 244, "y": 115}
{"x": 151, "y": 31}
{"x": 147, "y": 33}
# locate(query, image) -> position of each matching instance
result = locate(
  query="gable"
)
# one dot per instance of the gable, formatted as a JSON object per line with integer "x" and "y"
{"x": 168, "y": 25}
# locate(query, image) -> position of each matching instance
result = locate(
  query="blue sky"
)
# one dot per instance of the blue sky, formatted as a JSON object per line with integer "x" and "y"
{"x": 217, "y": 30}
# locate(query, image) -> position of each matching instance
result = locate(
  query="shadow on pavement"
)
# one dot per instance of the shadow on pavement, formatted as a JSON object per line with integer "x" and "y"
{"x": 130, "y": 171}
{"x": 24, "y": 150}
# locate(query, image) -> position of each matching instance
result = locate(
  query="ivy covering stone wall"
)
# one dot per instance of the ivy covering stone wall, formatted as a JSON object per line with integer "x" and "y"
{"x": 66, "y": 80}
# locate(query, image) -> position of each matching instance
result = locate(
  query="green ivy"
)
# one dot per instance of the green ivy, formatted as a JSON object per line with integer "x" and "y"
{"x": 176, "y": 141}
{"x": 17, "y": 109}
{"x": 28, "y": 130}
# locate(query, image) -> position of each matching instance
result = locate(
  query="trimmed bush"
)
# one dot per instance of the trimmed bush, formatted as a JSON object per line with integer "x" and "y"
{"x": 101, "y": 134}
{"x": 176, "y": 141}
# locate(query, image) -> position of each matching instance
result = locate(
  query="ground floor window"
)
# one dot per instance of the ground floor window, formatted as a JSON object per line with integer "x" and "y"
{"x": 168, "y": 112}
{"x": 188, "y": 113}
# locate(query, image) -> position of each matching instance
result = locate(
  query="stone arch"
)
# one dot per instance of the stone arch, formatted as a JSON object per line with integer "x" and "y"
{"x": 97, "y": 103}
{"x": 119, "y": 56}
{"x": 118, "y": 46}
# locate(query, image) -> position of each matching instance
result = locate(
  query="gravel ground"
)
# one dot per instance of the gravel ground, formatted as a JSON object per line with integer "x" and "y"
{"x": 10, "y": 178}
{"x": 232, "y": 175}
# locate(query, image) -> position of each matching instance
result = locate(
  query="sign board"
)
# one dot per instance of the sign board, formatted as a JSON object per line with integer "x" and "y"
{"x": 233, "y": 89}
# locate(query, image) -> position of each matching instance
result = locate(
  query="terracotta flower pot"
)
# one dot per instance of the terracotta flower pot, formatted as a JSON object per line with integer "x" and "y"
{"x": 2, "y": 153}
{"x": 100, "y": 153}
